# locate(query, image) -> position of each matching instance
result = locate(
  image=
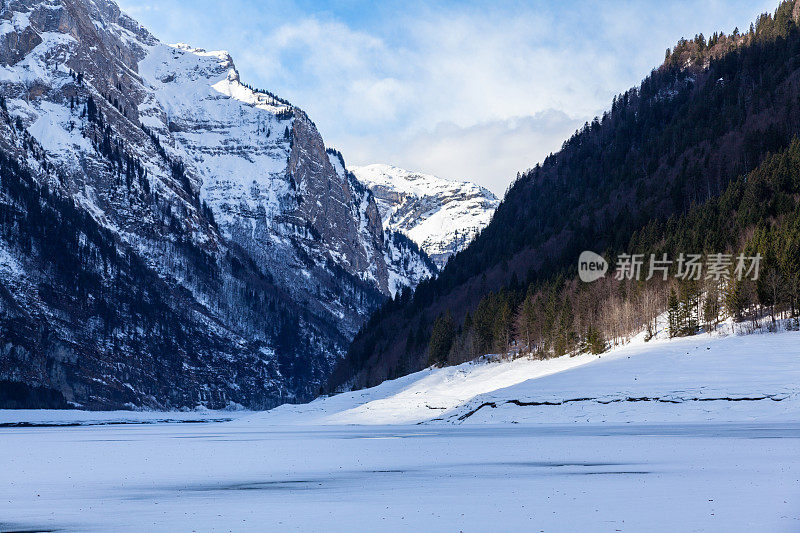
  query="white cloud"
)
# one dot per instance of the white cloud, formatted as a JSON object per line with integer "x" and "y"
{"x": 489, "y": 153}
{"x": 136, "y": 10}
{"x": 340, "y": 76}
{"x": 464, "y": 91}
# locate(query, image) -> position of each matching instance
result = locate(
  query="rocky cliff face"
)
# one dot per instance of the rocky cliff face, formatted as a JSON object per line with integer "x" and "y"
{"x": 406, "y": 263}
{"x": 441, "y": 216}
{"x": 169, "y": 235}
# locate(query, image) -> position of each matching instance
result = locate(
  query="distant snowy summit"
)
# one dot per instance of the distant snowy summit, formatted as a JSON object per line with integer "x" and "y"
{"x": 442, "y": 216}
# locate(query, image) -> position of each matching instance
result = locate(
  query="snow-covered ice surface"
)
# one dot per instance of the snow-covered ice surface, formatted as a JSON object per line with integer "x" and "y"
{"x": 704, "y": 437}
{"x": 232, "y": 477}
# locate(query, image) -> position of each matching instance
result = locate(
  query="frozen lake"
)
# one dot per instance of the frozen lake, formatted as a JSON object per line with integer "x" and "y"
{"x": 231, "y": 476}
{"x": 694, "y": 434}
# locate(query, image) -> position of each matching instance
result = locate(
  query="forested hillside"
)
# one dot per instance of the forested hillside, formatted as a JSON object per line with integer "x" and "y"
{"x": 700, "y": 158}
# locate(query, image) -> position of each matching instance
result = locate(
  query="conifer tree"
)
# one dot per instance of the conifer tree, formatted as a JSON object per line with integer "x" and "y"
{"x": 673, "y": 312}
{"x": 441, "y": 339}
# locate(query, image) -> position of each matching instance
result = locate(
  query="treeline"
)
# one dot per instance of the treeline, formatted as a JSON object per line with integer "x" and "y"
{"x": 275, "y": 98}
{"x": 665, "y": 147}
{"x": 409, "y": 250}
{"x": 757, "y": 216}
{"x": 767, "y": 27}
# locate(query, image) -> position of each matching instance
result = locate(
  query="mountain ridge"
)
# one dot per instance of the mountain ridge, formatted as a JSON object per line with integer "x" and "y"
{"x": 209, "y": 253}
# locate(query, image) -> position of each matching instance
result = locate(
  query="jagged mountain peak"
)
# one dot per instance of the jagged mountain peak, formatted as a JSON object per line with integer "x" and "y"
{"x": 441, "y": 216}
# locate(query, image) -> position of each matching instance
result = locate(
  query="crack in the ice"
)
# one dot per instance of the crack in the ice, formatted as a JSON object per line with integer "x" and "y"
{"x": 604, "y": 401}
{"x": 110, "y": 423}
{"x": 7, "y": 528}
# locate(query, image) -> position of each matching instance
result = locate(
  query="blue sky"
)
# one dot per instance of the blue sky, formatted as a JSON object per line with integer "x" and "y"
{"x": 466, "y": 90}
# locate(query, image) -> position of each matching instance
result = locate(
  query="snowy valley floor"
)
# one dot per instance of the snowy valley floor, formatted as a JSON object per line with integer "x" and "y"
{"x": 697, "y": 434}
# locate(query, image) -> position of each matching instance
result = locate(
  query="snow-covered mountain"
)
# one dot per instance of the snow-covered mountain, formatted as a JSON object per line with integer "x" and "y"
{"x": 170, "y": 236}
{"x": 441, "y": 216}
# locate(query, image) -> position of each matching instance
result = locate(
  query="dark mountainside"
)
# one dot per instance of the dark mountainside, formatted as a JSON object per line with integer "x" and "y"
{"x": 699, "y": 158}
{"x": 169, "y": 236}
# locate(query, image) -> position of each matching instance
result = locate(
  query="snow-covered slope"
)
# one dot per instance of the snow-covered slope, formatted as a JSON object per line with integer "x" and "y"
{"x": 706, "y": 377}
{"x": 441, "y": 216}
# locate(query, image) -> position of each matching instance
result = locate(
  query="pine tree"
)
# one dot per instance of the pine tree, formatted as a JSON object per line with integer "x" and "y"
{"x": 690, "y": 308}
{"x": 595, "y": 343}
{"x": 441, "y": 339}
{"x": 467, "y": 325}
{"x": 711, "y": 307}
{"x": 673, "y": 313}
{"x": 502, "y": 323}
{"x": 736, "y": 299}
